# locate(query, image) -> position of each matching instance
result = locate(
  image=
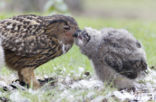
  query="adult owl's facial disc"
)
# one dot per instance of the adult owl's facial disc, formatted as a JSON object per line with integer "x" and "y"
{"x": 82, "y": 37}
{"x": 63, "y": 27}
{"x": 66, "y": 31}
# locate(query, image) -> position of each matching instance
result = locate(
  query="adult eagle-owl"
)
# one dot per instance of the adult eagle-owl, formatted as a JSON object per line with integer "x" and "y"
{"x": 116, "y": 55}
{"x": 30, "y": 41}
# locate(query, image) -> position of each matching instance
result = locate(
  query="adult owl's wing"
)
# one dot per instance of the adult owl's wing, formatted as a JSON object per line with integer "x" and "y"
{"x": 25, "y": 35}
{"x": 126, "y": 67}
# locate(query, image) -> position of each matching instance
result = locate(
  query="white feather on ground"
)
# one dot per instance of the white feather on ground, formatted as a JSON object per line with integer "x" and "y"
{"x": 1, "y": 56}
{"x": 71, "y": 90}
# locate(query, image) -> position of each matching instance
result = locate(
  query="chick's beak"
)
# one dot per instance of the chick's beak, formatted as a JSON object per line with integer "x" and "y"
{"x": 76, "y": 34}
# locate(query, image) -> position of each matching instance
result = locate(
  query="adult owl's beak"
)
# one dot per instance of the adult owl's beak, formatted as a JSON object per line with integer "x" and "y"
{"x": 76, "y": 33}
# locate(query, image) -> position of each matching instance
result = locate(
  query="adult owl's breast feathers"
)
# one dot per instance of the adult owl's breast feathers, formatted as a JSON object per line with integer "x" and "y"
{"x": 25, "y": 35}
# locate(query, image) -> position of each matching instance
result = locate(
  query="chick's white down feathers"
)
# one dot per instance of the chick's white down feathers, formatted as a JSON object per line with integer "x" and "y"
{"x": 116, "y": 55}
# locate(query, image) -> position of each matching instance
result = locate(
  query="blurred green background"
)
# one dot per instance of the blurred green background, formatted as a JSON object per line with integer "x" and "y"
{"x": 114, "y": 9}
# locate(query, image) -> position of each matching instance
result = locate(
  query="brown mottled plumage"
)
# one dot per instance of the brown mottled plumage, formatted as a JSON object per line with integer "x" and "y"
{"x": 30, "y": 41}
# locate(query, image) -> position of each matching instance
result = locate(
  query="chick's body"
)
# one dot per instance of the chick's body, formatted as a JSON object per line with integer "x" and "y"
{"x": 116, "y": 55}
{"x": 30, "y": 41}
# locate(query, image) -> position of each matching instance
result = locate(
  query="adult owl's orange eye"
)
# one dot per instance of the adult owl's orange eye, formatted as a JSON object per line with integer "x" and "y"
{"x": 66, "y": 27}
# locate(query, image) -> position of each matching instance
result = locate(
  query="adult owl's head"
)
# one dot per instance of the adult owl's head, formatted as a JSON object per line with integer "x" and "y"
{"x": 62, "y": 27}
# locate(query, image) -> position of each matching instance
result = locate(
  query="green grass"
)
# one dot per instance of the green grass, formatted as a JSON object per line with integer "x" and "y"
{"x": 145, "y": 32}
{"x": 70, "y": 62}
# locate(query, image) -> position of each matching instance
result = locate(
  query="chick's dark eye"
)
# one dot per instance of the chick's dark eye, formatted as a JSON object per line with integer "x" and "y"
{"x": 66, "y": 27}
{"x": 87, "y": 37}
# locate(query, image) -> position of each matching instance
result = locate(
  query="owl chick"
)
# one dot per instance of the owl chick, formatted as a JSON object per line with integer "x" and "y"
{"x": 30, "y": 41}
{"x": 116, "y": 55}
